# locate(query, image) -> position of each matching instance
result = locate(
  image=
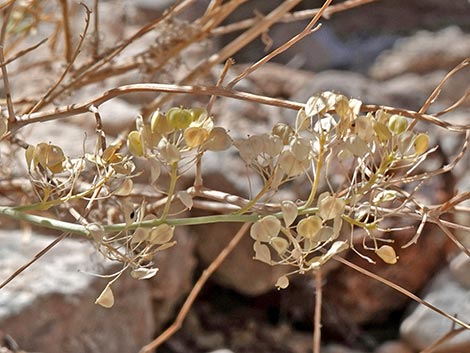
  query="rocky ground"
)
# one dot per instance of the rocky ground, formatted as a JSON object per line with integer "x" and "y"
{"x": 49, "y": 308}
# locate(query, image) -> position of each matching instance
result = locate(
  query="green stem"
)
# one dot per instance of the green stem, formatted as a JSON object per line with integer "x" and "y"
{"x": 316, "y": 180}
{"x": 171, "y": 190}
{"x": 44, "y": 221}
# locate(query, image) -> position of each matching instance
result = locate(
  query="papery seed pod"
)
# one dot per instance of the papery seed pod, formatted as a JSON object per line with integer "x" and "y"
{"x": 364, "y": 127}
{"x": 282, "y": 282}
{"x": 106, "y": 298}
{"x": 357, "y": 146}
{"x": 291, "y": 165}
{"x": 382, "y": 132}
{"x": 421, "y": 143}
{"x": 309, "y": 227}
{"x": 168, "y": 152}
{"x": 218, "y": 140}
{"x": 140, "y": 235}
{"x": 262, "y": 252}
{"x": 198, "y": 113}
{"x": 49, "y": 156}
{"x": 159, "y": 123}
{"x": 266, "y": 228}
{"x": 302, "y": 121}
{"x": 195, "y": 136}
{"x": 125, "y": 188}
{"x": 283, "y": 131}
{"x": 405, "y": 142}
{"x": 279, "y": 244}
{"x": 397, "y": 124}
{"x": 29, "y": 156}
{"x": 150, "y": 139}
{"x": 110, "y": 152}
{"x": 300, "y": 148}
{"x": 134, "y": 144}
{"x": 289, "y": 212}
{"x": 320, "y": 104}
{"x": 387, "y": 254}
{"x": 185, "y": 198}
{"x": 330, "y": 207}
{"x": 144, "y": 273}
{"x": 155, "y": 169}
{"x": 161, "y": 234}
{"x": 272, "y": 145}
{"x": 179, "y": 118}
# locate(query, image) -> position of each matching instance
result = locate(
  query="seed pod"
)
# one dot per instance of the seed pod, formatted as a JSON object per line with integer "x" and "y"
{"x": 134, "y": 144}
{"x": 159, "y": 123}
{"x": 282, "y": 282}
{"x": 218, "y": 140}
{"x": 387, "y": 254}
{"x": 279, "y": 244}
{"x": 179, "y": 118}
{"x": 161, "y": 234}
{"x": 421, "y": 143}
{"x": 397, "y": 124}
{"x": 195, "y": 136}
{"x": 283, "y": 131}
{"x": 265, "y": 229}
{"x": 330, "y": 207}
{"x": 289, "y": 212}
{"x": 106, "y": 298}
{"x": 309, "y": 227}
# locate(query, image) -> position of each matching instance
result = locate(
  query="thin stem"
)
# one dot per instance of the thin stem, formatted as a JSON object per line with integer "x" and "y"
{"x": 317, "y": 315}
{"x": 6, "y": 83}
{"x": 401, "y": 290}
{"x": 316, "y": 179}
{"x": 34, "y": 259}
{"x": 67, "y": 35}
{"x": 171, "y": 190}
{"x": 170, "y": 331}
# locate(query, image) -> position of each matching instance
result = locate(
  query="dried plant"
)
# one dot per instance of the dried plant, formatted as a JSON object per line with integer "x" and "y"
{"x": 363, "y": 162}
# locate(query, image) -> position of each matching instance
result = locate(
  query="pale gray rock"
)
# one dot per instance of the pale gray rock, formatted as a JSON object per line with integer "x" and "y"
{"x": 50, "y": 306}
{"x": 423, "y": 52}
{"x": 394, "y": 347}
{"x": 460, "y": 269}
{"x": 423, "y": 326}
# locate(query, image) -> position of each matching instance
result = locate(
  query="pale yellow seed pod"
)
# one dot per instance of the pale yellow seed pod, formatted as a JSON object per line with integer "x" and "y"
{"x": 387, "y": 254}
{"x": 279, "y": 244}
{"x": 421, "y": 143}
{"x": 195, "y": 136}
{"x": 106, "y": 298}
{"x": 397, "y": 124}
{"x": 159, "y": 123}
{"x": 134, "y": 144}
{"x": 309, "y": 227}
{"x": 382, "y": 132}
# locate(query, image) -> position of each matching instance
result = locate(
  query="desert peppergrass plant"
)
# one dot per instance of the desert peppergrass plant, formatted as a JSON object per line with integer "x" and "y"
{"x": 364, "y": 163}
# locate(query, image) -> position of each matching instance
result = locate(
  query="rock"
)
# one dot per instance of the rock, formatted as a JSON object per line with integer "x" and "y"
{"x": 423, "y": 326}
{"x": 394, "y": 347}
{"x": 50, "y": 307}
{"x": 239, "y": 271}
{"x": 338, "y": 348}
{"x": 423, "y": 52}
{"x": 460, "y": 269}
{"x": 175, "y": 276}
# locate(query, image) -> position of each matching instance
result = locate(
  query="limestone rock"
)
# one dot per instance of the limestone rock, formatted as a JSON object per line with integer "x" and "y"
{"x": 423, "y": 326}
{"x": 50, "y": 306}
{"x": 423, "y": 52}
